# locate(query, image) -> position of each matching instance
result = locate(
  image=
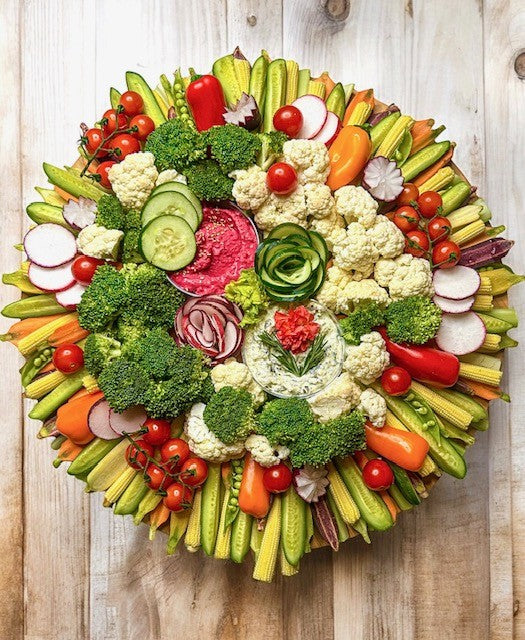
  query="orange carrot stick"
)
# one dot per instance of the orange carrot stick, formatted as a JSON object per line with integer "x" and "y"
{"x": 67, "y": 453}
{"x": 67, "y": 333}
{"x": 22, "y": 328}
{"x": 367, "y": 95}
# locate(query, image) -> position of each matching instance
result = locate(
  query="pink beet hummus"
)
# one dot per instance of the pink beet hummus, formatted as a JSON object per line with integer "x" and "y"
{"x": 226, "y": 244}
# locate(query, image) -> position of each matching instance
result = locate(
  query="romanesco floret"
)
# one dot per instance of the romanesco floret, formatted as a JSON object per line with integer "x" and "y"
{"x": 405, "y": 276}
{"x": 103, "y": 300}
{"x": 319, "y": 200}
{"x": 230, "y": 415}
{"x": 233, "y": 147}
{"x": 98, "y": 242}
{"x": 415, "y": 319}
{"x": 133, "y": 179}
{"x": 208, "y": 182}
{"x": 355, "y": 204}
{"x": 110, "y": 213}
{"x": 367, "y": 360}
{"x": 354, "y": 250}
{"x": 309, "y": 158}
{"x": 99, "y": 351}
{"x": 360, "y": 321}
{"x": 204, "y": 443}
{"x": 236, "y": 374}
{"x": 282, "y": 420}
{"x": 339, "y": 397}
{"x": 373, "y": 406}
{"x": 262, "y": 451}
{"x": 176, "y": 145}
{"x": 250, "y": 189}
{"x": 278, "y": 209}
{"x": 387, "y": 239}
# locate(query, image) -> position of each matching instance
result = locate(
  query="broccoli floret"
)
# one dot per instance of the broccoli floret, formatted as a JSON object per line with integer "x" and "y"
{"x": 155, "y": 352}
{"x": 208, "y": 182}
{"x": 360, "y": 321}
{"x": 233, "y": 147}
{"x": 207, "y": 390}
{"x": 271, "y": 149}
{"x": 283, "y": 420}
{"x": 128, "y": 330}
{"x": 110, "y": 213}
{"x": 124, "y": 384}
{"x": 103, "y": 300}
{"x": 322, "y": 442}
{"x": 99, "y": 351}
{"x": 130, "y": 247}
{"x": 230, "y": 415}
{"x": 132, "y": 220}
{"x": 176, "y": 145}
{"x": 415, "y": 319}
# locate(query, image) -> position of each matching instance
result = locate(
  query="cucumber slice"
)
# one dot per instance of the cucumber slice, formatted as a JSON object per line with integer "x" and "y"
{"x": 287, "y": 229}
{"x": 170, "y": 203}
{"x": 300, "y": 276}
{"x": 168, "y": 242}
{"x": 186, "y": 192}
{"x": 319, "y": 245}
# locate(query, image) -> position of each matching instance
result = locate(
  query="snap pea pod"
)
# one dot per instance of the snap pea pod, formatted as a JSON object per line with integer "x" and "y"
{"x": 33, "y": 307}
{"x": 237, "y": 467}
{"x": 423, "y": 159}
{"x": 34, "y": 364}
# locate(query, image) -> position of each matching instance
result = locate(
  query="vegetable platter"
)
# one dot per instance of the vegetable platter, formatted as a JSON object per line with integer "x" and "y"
{"x": 262, "y": 312}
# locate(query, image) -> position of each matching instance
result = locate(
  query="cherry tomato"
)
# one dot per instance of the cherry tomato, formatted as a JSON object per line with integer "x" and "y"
{"x": 288, "y": 119}
{"x": 439, "y": 228}
{"x": 68, "y": 358}
{"x": 102, "y": 171}
{"x": 429, "y": 203}
{"x": 156, "y": 478}
{"x": 194, "y": 472}
{"x": 144, "y": 124}
{"x": 378, "y": 475}
{"x": 277, "y": 479}
{"x": 136, "y": 454}
{"x": 446, "y": 254}
{"x": 174, "y": 453}
{"x": 281, "y": 178}
{"x": 156, "y": 431}
{"x": 94, "y": 138}
{"x": 122, "y": 145}
{"x": 406, "y": 218}
{"x": 131, "y": 102}
{"x": 409, "y": 194}
{"x": 178, "y": 497}
{"x": 396, "y": 381}
{"x": 84, "y": 267}
{"x": 416, "y": 243}
{"x": 115, "y": 121}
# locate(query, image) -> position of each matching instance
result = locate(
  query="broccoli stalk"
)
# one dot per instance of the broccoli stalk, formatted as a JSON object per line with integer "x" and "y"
{"x": 360, "y": 321}
{"x": 415, "y": 320}
{"x": 271, "y": 149}
{"x": 230, "y": 414}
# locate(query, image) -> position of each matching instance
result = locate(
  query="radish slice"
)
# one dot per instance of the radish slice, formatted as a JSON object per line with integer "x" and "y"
{"x": 456, "y": 283}
{"x": 98, "y": 421}
{"x": 69, "y": 298}
{"x": 461, "y": 333}
{"x": 129, "y": 421}
{"x": 80, "y": 214}
{"x": 383, "y": 179}
{"x": 330, "y": 129}
{"x": 50, "y": 245}
{"x": 314, "y": 113}
{"x": 454, "y": 306}
{"x": 51, "y": 278}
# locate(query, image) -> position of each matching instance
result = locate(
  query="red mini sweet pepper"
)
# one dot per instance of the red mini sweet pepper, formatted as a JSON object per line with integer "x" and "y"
{"x": 426, "y": 364}
{"x": 205, "y": 98}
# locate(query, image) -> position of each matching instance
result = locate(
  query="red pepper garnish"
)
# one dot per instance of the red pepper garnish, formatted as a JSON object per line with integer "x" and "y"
{"x": 295, "y": 329}
{"x": 205, "y": 98}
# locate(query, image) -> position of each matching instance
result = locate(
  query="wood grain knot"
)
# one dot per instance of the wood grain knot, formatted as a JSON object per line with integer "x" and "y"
{"x": 336, "y": 10}
{"x": 519, "y": 65}
{"x": 251, "y": 20}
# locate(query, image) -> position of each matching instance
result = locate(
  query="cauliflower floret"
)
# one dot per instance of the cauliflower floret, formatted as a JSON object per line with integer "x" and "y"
{"x": 339, "y": 397}
{"x": 98, "y": 242}
{"x": 365, "y": 291}
{"x": 250, "y": 189}
{"x": 331, "y": 227}
{"x": 236, "y": 374}
{"x": 373, "y": 406}
{"x": 367, "y": 360}
{"x": 355, "y": 204}
{"x": 388, "y": 239}
{"x": 405, "y": 276}
{"x": 309, "y": 158}
{"x": 333, "y": 293}
{"x": 134, "y": 178}
{"x": 204, "y": 443}
{"x": 170, "y": 175}
{"x": 355, "y": 250}
{"x": 279, "y": 209}
{"x": 263, "y": 452}
{"x": 319, "y": 200}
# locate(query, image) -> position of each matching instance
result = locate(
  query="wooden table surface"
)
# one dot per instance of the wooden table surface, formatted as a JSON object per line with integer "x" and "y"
{"x": 454, "y": 568}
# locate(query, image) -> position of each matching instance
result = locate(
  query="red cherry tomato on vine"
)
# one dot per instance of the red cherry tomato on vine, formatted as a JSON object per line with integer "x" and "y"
{"x": 93, "y": 140}
{"x": 406, "y": 218}
{"x": 156, "y": 478}
{"x": 289, "y": 120}
{"x": 429, "y": 203}
{"x": 144, "y": 124}
{"x": 446, "y": 254}
{"x": 417, "y": 243}
{"x": 439, "y": 228}
{"x": 378, "y": 475}
{"x": 84, "y": 267}
{"x": 409, "y": 194}
{"x": 396, "y": 381}
{"x": 131, "y": 102}
{"x": 68, "y": 358}
{"x": 277, "y": 479}
{"x": 115, "y": 121}
{"x": 174, "y": 453}
{"x": 194, "y": 472}
{"x": 122, "y": 145}
{"x": 102, "y": 171}
{"x": 137, "y": 454}
{"x": 157, "y": 432}
{"x": 178, "y": 497}
{"x": 281, "y": 178}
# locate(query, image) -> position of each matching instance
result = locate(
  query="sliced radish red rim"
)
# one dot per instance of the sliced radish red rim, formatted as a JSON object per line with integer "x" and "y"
{"x": 80, "y": 214}
{"x": 383, "y": 179}
{"x": 51, "y": 278}
{"x": 129, "y": 421}
{"x": 330, "y": 129}
{"x": 454, "y": 306}
{"x": 461, "y": 333}
{"x": 69, "y": 298}
{"x": 50, "y": 245}
{"x": 314, "y": 113}
{"x": 456, "y": 283}
{"x": 98, "y": 421}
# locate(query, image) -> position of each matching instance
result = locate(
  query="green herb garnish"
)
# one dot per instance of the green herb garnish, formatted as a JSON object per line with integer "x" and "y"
{"x": 287, "y": 360}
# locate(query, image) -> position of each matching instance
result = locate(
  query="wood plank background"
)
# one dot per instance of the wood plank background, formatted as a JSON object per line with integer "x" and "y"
{"x": 455, "y": 567}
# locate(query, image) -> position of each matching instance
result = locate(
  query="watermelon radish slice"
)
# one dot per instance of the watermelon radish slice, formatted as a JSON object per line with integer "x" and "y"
{"x": 50, "y": 245}
{"x": 69, "y": 298}
{"x": 98, "y": 421}
{"x": 330, "y": 129}
{"x": 456, "y": 283}
{"x": 51, "y": 278}
{"x": 314, "y": 113}
{"x": 461, "y": 333}
{"x": 129, "y": 421}
{"x": 454, "y": 306}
